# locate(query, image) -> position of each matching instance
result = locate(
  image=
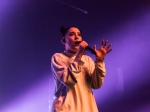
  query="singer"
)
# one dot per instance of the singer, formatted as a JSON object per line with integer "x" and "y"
{"x": 76, "y": 74}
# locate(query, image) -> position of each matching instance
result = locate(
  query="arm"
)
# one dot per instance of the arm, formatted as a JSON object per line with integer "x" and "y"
{"x": 99, "y": 71}
{"x": 66, "y": 73}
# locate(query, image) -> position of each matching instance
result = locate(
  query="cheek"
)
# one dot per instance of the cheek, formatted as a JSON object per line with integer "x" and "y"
{"x": 69, "y": 40}
{"x": 69, "y": 43}
{"x": 80, "y": 38}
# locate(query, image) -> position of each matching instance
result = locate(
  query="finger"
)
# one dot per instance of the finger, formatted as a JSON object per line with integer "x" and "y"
{"x": 83, "y": 44}
{"x": 106, "y": 42}
{"x": 109, "y": 46}
{"x": 94, "y": 47}
{"x": 102, "y": 42}
{"x": 109, "y": 50}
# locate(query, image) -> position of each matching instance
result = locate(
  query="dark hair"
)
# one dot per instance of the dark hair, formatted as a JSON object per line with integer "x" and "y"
{"x": 64, "y": 30}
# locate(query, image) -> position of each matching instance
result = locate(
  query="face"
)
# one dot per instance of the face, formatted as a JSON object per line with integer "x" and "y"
{"x": 73, "y": 35}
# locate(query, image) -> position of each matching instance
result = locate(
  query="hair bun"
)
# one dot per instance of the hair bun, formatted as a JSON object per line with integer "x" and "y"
{"x": 62, "y": 29}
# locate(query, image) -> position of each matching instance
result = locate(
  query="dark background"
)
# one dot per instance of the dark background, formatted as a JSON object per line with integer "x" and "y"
{"x": 29, "y": 36}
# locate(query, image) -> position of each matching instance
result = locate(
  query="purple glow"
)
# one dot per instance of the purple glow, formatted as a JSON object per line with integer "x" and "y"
{"x": 145, "y": 108}
{"x": 37, "y": 98}
{"x": 7, "y": 7}
{"x": 129, "y": 40}
{"x": 27, "y": 30}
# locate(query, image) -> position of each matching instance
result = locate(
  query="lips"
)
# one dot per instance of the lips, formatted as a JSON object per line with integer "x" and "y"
{"x": 77, "y": 42}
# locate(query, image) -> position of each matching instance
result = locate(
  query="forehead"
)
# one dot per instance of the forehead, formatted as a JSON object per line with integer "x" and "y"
{"x": 73, "y": 29}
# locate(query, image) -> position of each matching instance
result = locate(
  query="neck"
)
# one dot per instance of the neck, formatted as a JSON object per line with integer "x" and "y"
{"x": 72, "y": 51}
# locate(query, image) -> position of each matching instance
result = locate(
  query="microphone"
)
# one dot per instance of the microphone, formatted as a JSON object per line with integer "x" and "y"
{"x": 88, "y": 49}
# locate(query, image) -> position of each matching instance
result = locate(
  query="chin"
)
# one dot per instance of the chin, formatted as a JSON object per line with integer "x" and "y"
{"x": 75, "y": 50}
{"x": 76, "y": 47}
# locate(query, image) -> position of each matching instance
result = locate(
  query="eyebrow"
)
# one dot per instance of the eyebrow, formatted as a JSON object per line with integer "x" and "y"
{"x": 74, "y": 32}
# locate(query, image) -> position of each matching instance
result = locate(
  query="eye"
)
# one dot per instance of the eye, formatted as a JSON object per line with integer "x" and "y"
{"x": 79, "y": 34}
{"x": 71, "y": 34}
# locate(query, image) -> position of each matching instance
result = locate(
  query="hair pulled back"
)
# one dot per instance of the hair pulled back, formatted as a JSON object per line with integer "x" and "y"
{"x": 64, "y": 30}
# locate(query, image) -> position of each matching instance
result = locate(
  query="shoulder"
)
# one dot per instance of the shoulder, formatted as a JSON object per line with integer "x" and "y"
{"x": 87, "y": 58}
{"x": 56, "y": 59}
{"x": 57, "y": 55}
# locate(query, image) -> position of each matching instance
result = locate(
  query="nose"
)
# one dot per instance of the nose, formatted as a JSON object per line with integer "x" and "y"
{"x": 76, "y": 37}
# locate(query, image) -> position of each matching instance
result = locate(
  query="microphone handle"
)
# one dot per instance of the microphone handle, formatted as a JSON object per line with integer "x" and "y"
{"x": 90, "y": 50}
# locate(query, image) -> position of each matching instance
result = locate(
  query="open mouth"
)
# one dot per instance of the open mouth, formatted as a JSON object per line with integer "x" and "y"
{"x": 77, "y": 43}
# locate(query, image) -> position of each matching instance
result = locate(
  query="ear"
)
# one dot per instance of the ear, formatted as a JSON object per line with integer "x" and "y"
{"x": 63, "y": 40}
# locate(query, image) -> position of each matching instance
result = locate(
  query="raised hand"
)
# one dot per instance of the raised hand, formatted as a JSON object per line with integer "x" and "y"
{"x": 103, "y": 50}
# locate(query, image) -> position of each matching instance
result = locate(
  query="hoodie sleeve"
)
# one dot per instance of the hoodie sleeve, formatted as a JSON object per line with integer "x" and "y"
{"x": 66, "y": 72}
{"x": 97, "y": 72}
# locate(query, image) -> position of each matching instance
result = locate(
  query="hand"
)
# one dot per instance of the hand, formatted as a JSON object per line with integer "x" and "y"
{"x": 83, "y": 45}
{"x": 103, "y": 50}
{"x": 81, "y": 49}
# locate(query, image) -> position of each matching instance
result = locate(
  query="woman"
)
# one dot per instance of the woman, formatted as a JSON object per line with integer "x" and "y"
{"x": 76, "y": 74}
